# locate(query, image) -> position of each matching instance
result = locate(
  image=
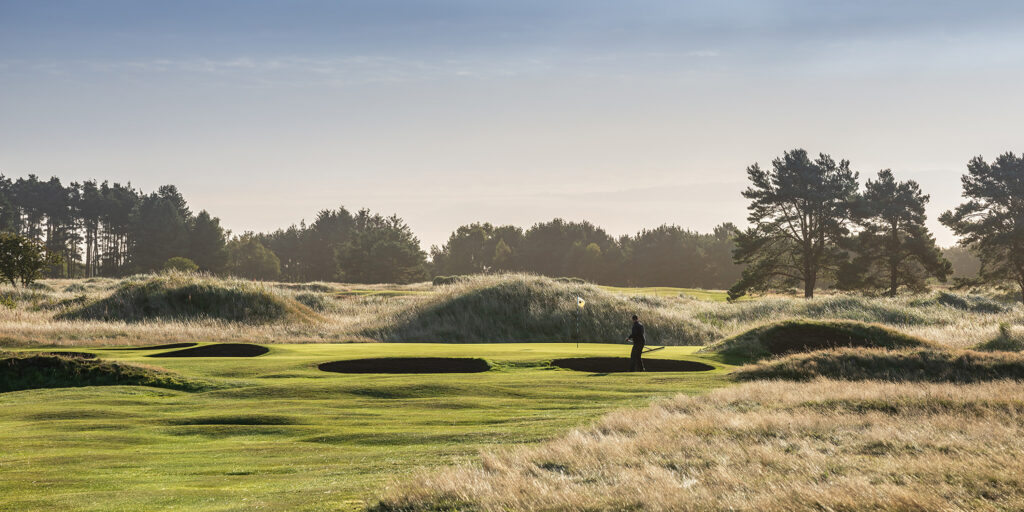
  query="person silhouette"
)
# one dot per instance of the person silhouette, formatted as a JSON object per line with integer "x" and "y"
{"x": 637, "y": 337}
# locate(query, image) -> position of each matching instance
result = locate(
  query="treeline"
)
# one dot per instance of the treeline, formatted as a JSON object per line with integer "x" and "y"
{"x": 664, "y": 256}
{"x": 96, "y": 228}
{"x": 104, "y": 229}
{"x": 812, "y": 226}
{"x": 101, "y": 229}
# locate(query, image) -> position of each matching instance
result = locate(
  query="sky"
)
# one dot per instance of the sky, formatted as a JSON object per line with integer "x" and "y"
{"x": 627, "y": 114}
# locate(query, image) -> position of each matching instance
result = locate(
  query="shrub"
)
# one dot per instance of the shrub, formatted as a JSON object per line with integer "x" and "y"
{"x": 803, "y": 336}
{"x": 180, "y": 264}
{"x": 183, "y": 296}
{"x": 75, "y": 288}
{"x": 931, "y": 365}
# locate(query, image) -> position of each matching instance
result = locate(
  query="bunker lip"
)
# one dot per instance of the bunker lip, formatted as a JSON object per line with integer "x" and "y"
{"x": 166, "y": 346}
{"x": 79, "y": 355}
{"x": 621, "y": 364}
{"x": 407, "y": 365}
{"x": 217, "y": 350}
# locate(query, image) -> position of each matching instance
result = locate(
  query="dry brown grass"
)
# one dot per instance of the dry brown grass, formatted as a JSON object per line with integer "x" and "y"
{"x": 383, "y": 312}
{"x": 762, "y": 446}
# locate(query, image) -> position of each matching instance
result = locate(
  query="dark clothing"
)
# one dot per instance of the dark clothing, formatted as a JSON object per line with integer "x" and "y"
{"x": 637, "y": 336}
{"x": 635, "y": 363}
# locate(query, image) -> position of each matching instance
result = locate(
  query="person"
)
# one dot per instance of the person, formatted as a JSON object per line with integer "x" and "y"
{"x": 637, "y": 337}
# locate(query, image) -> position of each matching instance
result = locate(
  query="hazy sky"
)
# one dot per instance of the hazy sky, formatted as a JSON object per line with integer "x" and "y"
{"x": 628, "y": 114}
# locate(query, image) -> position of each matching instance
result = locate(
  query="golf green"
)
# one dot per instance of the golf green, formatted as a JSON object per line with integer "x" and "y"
{"x": 276, "y": 432}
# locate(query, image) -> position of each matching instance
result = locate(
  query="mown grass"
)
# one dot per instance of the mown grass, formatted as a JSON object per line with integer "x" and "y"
{"x": 762, "y": 446}
{"x": 276, "y": 433}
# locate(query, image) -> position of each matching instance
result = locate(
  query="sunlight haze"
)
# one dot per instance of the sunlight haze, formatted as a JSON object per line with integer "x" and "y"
{"x": 626, "y": 115}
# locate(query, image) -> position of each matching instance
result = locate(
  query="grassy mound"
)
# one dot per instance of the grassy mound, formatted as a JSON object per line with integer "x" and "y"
{"x": 805, "y": 336}
{"x": 621, "y": 364}
{"x": 972, "y": 303}
{"x": 408, "y": 365}
{"x": 921, "y": 365}
{"x": 523, "y": 308}
{"x": 19, "y": 372}
{"x": 185, "y": 296}
{"x": 217, "y": 350}
{"x": 1007, "y": 340}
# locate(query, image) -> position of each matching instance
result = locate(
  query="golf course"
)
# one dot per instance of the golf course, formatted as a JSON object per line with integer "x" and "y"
{"x": 507, "y": 392}
{"x": 275, "y": 432}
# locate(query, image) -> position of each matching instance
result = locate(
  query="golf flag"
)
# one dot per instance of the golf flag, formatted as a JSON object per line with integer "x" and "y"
{"x": 580, "y": 302}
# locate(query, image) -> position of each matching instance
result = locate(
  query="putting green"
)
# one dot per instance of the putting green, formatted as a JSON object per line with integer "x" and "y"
{"x": 278, "y": 433}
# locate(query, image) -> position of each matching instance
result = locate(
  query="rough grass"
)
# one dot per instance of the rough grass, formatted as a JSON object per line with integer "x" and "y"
{"x": 763, "y": 446}
{"x": 480, "y": 308}
{"x": 184, "y": 296}
{"x": 922, "y": 365}
{"x": 1008, "y": 340}
{"x": 805, "y": 336}
{"x": 529, "y": 308}
{"x": 63, "y": 370}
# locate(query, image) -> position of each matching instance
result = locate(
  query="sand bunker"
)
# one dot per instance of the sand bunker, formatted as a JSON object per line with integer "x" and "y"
{"x": 621, "y": 364}
{"x": 218, "y": 350}
{"x": 408, "y": 365}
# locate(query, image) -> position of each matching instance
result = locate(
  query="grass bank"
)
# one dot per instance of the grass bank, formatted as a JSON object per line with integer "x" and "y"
{"x": 921, "y": 365}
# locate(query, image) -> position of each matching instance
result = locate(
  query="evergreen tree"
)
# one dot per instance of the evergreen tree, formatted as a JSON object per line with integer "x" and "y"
{"x": 381, "y": 250}
{"x": 991, "y": 221}
{"x": 800, "y": 211}
{"x": 331, "y": 230}
{"x": 158, "y": 232}
{"x": 248, "y": 258}
{"x": 894, "y": 248}
{"x": 207, "y": 243}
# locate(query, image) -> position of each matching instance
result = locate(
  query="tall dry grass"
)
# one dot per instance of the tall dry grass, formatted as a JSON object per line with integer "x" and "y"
{"x": 762, "y": 446}
{"x": 485, "y": 308}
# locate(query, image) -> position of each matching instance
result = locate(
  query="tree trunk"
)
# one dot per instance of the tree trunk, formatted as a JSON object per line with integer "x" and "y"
{"x": 894, "y": 283}
{"x": 809, "y": 279}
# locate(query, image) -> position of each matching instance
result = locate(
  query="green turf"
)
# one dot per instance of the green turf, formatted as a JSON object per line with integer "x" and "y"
{"x": 278, "y": 434}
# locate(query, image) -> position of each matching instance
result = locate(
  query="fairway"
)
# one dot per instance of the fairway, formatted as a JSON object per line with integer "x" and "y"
{"x": 278, "y": 433}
